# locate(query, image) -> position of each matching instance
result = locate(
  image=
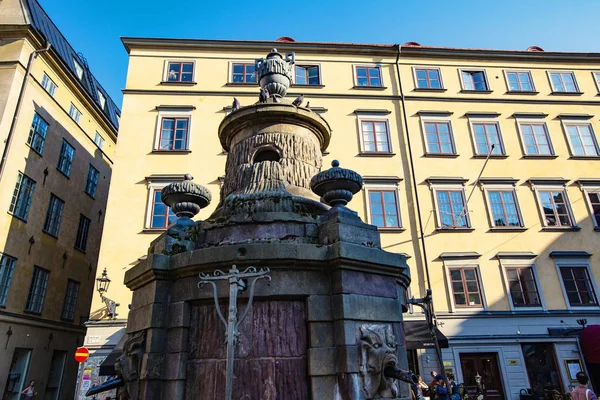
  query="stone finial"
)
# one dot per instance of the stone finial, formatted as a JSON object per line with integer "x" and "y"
{"x": 275, "y": 73}
{"x": 185, "y": 198}
{"x": 336, "y": 186}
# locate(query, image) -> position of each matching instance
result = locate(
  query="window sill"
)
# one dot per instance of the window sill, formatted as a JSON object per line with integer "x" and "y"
{"x": 35, "y": 151}
{"x": 454, "y": 230}
{"x": 63, "y": 174}
{"x": 367, "y": 154}
{"x": 440, "y": 90}
{"x": 527, "y": 308}
{"x": 384, "y": 230}
{"x": 79, "y": 250}
{"x": 561, "y": 229}
{"x": 154, "y": 230}
{"x": 178, "y": 83}
{"x": 476, "y": 91}
{"x": 67, "y": 320}
{"x": 526, "y": 92}
{"x": 241, "y": 84}
{"x": 540, "y": 156}
{"x": 584, "y": 158}
{"x": 566, "y": 93}
{"x": 441, "y": 155}
{"x": 509, "y": 229}
{"x": 309, "y": 86}
{"x": 171, "y": 151}
{"x": 369, "y": 87}
{"x": 32, "y": 312}
{"x": 49, "y": 234}
{"x": 498, "y": 156}
{"x": 17, "y": 217}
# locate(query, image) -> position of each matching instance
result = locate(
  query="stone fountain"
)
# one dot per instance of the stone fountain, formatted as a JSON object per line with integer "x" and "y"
{"x": 328, "y": 325}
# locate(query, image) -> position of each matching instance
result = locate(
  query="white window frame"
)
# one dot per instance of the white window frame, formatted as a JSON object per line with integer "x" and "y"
{"x": 596, "y": 76}
{"x": 519, "y": 71}
{"x": 99, "y": 140}
{"x": 438, "y": 118}
{"x": 549, "y": 74}
{"x": 102, "y": 100}
{"x": 368, "y": 65}
{"x": 78, "y": 69}
{"x": 74, "y": 113}
{"x": 495, "y": 187}
{"x": 166, "y": 70}
{"x": 537, "y": 187}
{"x": 7, "y": 275}
{"x": 587, "y": 188}
{"x": 230, "y": 72}
{"x": 581, "y": 262}
{"x": 360, "y": 117}
{"x": 536, "y": 121}
{"x": 488, "y": 121}
{"x": 308, "y": 64}
{"x": 506, "y": 263}
{"x": 426, "y": 67}
{"x": 387, "y": 186}
{"x": 462, "y": 82}
{"x": 152, "y": 185}
{"x": 183, "y": 113}
{"x": 435, "y": 187}
{"x": 464, "y": 263}
{"x": 566, "y": 122}
{"x": 49, "y": 85}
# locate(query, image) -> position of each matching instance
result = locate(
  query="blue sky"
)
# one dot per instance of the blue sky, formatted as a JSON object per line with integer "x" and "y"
{"x": 94, "y": 27}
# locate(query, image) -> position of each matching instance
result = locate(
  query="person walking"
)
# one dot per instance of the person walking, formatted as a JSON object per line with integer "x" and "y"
{"x": 29, "y": 391}
{"x": 454, "y": 392}
{"x": 440, "y": 388}
{"x": 582, "y": 392}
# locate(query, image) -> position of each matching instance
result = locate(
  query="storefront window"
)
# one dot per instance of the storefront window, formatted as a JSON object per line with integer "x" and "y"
{"x": 541, "y": 367}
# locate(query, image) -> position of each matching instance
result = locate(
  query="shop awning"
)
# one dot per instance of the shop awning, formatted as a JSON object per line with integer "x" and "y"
{"x": 418, "y": 336}
{"x": 107, "y": 368}
{"x": 589, "y": 338}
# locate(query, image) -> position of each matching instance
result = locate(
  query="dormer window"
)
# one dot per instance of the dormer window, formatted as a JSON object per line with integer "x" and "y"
{"x": 78, "y": 69}
{"x": 101, "y": 99}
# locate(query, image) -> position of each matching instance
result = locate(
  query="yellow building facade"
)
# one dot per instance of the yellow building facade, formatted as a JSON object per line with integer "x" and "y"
{"x": 58, "y": 130}
{"x": 503, "y": 235}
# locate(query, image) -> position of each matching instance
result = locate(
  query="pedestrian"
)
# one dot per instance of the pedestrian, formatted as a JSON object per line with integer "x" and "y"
{"x": 454, "y": 393}
{"x": 29, "y": 391}
{"x": 581, "y": 392}
{"x": 440, "y": 388}
{"x": 422, "y": 388}
{"x": 434, "y": 381}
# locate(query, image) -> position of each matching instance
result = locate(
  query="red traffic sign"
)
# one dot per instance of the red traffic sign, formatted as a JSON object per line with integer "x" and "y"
{"x": 81, "y": 354}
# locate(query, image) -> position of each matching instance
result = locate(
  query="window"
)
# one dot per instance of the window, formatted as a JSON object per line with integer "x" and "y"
{"x": 428, "y": 78}
{"x": 70, "y": 304}
{"x": 504, "y": 208}
{"x": 174, "y": 134}
{"x": 37, "y": 290}
{"x": 243, "y": 73}
{"x": 582, "y": 140}
{"x": 375, "y": 136}
{"x": 578, "y": 286}
{"x": 474, "y": 80}
{"x": 522, "y": 286}
{"x": 536, "y": 140}
{"x": 82, "y": 233}
{"x": 307, "y": 75}
{"x": 78, "y": 69}
{"x": 180, "y": 72}
{"x": 161, "y": 216}
{"x": 53, "y": 216}
{"x": 7, "y": 267}
{"x": 520, "y": 81}
{"x": 594, "y": 202}
{"x": 486, "y": 135}
{"x": 555, "y": 208}
{"x": 368, "y": 76}
{"x": 101, "y": 99}
{"x": 99, "y": 140}
{"x": 451, "y": 208}
{"x": 65, "y": 159}
{"x": 439, "y": 137}
{"x": 597, "y": 79}
{"x": 74, "y": 113}
{"x": 465, "y": 287}
{"x": 21, "y": 199}
{"x": 383, "y": 208}
{"x": 563, "y": 82}
{"x": 92, "y": 181}
{"x": 49, "y": 85}
{"x": 37, "y": 134}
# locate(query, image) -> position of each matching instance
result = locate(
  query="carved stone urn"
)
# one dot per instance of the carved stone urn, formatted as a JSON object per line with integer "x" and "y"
{"x": 185, "y": 198}
{"x": 336, "y": 186}
{"x": 274, "y": 73}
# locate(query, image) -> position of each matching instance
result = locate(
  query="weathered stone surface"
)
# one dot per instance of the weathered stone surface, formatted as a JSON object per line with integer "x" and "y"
{"x": 347, "y": 359}
{"x": 364, "y": 283}
{"x": 321, "y": 361}
{"x": 151, "y": 390}
{"x": 152, "y": 292}
{"x": 174, "y": 390}
{"x": 319, "y": 308}
{"x": 345, "y": 332}
{"x": 179, "y": 314}
{"x": 324, "y": 387}
{"x": 156, "y": 340}
{"x": 150, "y": 316}
{"x": 175, "y": 366}
{"x": 152, "y": 366}
{"x": 321, "y": 334}
{"x": 177, "y": 340}
{"x": 366, "y": 308}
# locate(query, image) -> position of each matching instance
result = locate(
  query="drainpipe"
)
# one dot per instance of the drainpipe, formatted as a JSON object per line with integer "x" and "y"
{"x": 429, "y": 313}
{"x": 13, "y": 124}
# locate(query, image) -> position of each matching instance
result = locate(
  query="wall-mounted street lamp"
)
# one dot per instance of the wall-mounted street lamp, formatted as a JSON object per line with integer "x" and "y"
{"x": 102, "y": 284}
{"x": 9, "y": 333}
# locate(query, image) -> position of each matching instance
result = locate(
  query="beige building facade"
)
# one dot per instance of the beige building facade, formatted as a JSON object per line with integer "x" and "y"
{"x": 481, "y": 165}
{"x": 58, "y": 129}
